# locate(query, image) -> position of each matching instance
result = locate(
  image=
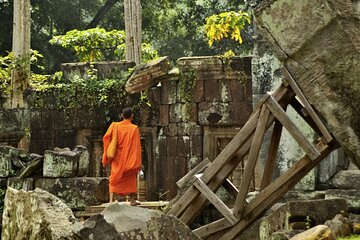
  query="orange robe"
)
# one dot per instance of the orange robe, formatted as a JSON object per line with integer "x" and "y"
{"x": 127, "y": 162}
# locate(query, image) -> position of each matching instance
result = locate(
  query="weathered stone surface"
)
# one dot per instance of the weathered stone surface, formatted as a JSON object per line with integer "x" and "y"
{"x": 5, "y": 161}
{"x": 60, "y": 164}
{"x": 339, "y": 225}
{"x": 183, "y": 112}
{"x": 164, "y": 115}
{"x": 320, "y": 232}
{"x": 351, "y": 196}
{"x": 94, "y": 190}
{"x": 84, "y": 160}
{"x": 355, "y": 223}
{"x": 218, "y": 113}
{"x": 148, "y": 74}
{"x": 322, "y": 54}
{"x": 120, "y": 221}
{"x": 35, "y": 215}
{"x": 168, "y": 92}
{"x": 346, "y": 179}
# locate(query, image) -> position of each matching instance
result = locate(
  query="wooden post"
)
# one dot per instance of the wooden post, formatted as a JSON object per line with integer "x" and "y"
{"x": 21, "y": 49}
{"x": 133, "y": 30}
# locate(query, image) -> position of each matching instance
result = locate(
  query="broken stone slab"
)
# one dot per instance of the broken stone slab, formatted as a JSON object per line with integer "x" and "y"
{"x": 345, "y": 179}
{"x": 147, "y": 75}
{"x": 35, "y": 215}
{"x": 77, "y": 193}
{"x": 120, "y": 221}
{"x": 317, "y": 211}
{"x": 318, "y": 41}
{"x": 60, "y": 164}
{"x": 322, "y": 232}
{"x": 35, "y": 165}
{"x": 5, "y": 161}
{"x": 84, "y": 160}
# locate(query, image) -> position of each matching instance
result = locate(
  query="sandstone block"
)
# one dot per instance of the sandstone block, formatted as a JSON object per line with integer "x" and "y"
{"x": 318, "y": 232}
{"x": 345, "y": 179}
{"x": 83, "y": 160}
{"x": 60, "y": 164}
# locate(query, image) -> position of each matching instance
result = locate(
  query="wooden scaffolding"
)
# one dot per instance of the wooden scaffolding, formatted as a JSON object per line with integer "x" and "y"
{"x": 208, "y": 177}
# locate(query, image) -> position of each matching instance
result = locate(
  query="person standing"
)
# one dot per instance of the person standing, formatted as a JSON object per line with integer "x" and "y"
{"x": 127, "y": 161}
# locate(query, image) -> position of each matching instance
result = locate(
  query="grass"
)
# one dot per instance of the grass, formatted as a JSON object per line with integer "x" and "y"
{"x": 352, "y": 237}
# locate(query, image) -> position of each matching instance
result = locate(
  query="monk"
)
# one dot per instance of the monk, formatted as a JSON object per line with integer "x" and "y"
{"x": 127, "y": 161}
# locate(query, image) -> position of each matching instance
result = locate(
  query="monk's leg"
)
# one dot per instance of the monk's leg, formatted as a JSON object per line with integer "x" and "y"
{"x": 111, "y": 196}
{"x": 133, "y": 200}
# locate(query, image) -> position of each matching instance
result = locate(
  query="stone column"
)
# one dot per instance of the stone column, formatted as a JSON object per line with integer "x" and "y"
{"x": 21, "y": 48}
{"x": 133, "y": 30}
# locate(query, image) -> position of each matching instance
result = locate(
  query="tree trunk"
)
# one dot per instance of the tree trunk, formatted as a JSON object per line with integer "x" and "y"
{"x": 21, "y": 49}
{"x": 133, "y": 30}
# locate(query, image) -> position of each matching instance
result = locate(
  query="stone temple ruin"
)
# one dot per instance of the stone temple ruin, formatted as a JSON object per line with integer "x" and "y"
{"x": 197, "y": 108}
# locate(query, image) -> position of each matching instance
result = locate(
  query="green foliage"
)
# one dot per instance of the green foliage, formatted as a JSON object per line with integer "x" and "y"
{"x": 352, "y": 237}
{"x": 226, "y": 24}
{"x": 77, "y": 92}
{"x": 94, "y": 44}
{"x": 9, "y": 62}
{"x": 97, "y": 44}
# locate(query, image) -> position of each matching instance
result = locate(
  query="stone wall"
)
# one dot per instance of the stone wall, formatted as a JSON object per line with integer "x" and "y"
{"x": 212, "y": 94}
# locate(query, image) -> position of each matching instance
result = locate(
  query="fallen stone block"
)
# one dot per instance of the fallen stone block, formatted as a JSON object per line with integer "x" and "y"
{"x": 77, "y": 193}
{"x": 60, "y": 164}
{"x": 351, "y": 196}
{"x": 345, "y": 179}
{"x": 309, "y": 212}
{"x": 120, "y": 221}
{"x": 35, "y": 215}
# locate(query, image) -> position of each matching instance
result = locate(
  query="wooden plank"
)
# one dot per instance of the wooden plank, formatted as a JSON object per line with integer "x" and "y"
{"x": 280, "y": 114}
{"x": 307, "y": 105}
{"x": 272, "y": 154}
{"x": 278, "y": 188}
{"x": 230, "y": 187}
{"x": 251, "y": 162}
{"x": 212, "y": 228}
{"x": 198, "y": 168}
{"x": 215, "y": 200}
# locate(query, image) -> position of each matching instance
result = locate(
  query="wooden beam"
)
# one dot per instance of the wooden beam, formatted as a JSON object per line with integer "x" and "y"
{"x": 199, "y": 200}
{"x": 251, "y": 162}
{"x": 271, "y": 156}
{"x": 307, "y": 105}
{"x": 300, "y": 109}
{"x": 280, "y": 114}
{"x": 278, "y": 188}
{"x": 212, "y": 228}
{"x": 215, "y": 200}
{"x": 197, "y": 169}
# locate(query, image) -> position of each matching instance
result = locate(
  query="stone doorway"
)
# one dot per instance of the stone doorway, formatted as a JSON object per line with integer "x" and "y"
{"x": 215, "y": 140}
